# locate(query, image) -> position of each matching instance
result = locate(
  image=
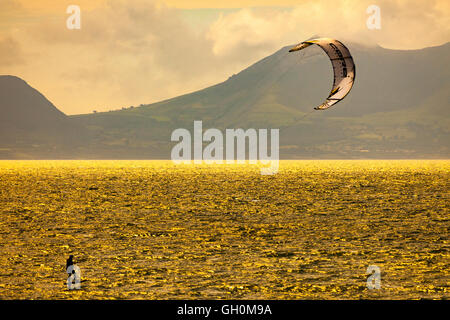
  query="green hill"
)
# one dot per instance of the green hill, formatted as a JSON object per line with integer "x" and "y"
{"x": 398, "y": 108}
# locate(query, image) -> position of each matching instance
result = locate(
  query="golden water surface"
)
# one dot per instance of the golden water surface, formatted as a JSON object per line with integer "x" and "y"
{"x": 155, "y": 230}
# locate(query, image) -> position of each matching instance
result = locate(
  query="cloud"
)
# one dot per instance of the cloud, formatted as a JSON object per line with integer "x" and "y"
{"x": 10, "y": 52}
{"x": 123, "y": 55}
{"x": 141, "y": 51}
{"x": 249, "y": 28}
{"x": 404, "y": 24}
{"x": 9, "y": 7}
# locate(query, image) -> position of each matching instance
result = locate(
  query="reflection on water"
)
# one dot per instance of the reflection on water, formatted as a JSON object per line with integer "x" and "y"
{"x": 153, "y": 230}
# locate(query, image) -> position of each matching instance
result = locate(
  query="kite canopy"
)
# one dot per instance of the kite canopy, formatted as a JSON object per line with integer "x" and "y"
{"x": 343, "y": 67}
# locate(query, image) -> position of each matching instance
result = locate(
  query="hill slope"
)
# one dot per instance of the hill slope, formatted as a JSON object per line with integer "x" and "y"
{"x": 30, "y": 125}
{"x": 398, "y": 107}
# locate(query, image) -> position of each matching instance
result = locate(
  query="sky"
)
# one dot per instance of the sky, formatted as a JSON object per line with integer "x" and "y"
{"x": 132, "y": 52}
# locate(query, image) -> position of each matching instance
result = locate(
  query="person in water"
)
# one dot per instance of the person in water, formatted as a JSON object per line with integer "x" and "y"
{"x": 69, "y": 263}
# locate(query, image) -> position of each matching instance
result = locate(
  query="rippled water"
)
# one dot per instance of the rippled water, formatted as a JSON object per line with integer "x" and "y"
{"x": 153, "y": 230}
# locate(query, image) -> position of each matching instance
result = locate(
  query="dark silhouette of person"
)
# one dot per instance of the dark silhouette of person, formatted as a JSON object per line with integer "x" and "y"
{"x": 69, "y": 263}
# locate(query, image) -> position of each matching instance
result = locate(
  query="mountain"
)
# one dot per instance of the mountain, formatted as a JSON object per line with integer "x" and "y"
{"x": 398, "y": 108}
{"x": 30, "y": 125}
